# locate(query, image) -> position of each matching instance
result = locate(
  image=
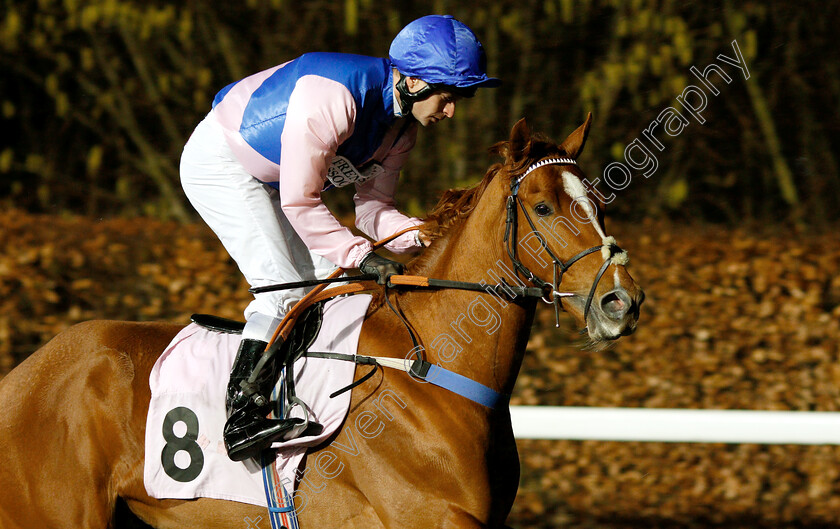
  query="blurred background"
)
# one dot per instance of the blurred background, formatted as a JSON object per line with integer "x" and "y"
{"x": 733, "y": 237}
{"x": 98, "y": 97}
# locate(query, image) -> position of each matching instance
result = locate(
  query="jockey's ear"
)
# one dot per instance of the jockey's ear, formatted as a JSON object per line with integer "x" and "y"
{"x": 414, "y": 84}
{"x": 573, "y": 145}
{"x": 520, "y": 136}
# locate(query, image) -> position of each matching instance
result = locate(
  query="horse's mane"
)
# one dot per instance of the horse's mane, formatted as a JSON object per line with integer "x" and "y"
{"x": 456, "y": 204}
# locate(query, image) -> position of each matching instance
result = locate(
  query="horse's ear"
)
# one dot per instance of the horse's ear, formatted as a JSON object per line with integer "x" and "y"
{"x": 573, "y": 145}
{"x": 520, "y": 136}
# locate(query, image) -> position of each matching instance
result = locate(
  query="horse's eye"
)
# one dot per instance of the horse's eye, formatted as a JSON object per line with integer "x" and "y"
{"x": 542, "y": 209}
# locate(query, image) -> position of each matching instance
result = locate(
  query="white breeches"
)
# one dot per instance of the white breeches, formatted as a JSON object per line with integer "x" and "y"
{"x": 245, "y": 214}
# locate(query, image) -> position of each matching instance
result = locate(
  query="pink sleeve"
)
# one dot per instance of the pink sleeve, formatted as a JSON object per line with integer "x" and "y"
{"x": 320, "y": 116}
{"x": 376, "y": 212}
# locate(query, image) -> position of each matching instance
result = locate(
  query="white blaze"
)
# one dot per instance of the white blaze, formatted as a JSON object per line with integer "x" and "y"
{"x": 575, "y": 189}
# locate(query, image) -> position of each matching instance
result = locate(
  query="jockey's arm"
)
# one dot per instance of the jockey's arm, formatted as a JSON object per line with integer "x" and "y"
{"x": 320, "y": 116}
{"x": 376, "y": 212}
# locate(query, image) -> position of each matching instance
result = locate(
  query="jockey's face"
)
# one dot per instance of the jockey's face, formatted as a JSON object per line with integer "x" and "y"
{"x": 436, "y": 107}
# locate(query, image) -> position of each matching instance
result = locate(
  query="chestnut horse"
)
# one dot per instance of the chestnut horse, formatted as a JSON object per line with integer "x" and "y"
{"x": 74, "y": 413}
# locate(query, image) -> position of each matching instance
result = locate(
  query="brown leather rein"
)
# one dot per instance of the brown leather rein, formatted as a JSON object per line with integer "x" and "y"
{"x": 320, "y": 292}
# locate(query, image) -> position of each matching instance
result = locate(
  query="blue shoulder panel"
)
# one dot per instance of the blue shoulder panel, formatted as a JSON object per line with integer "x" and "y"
{"x": 367, "y": 78}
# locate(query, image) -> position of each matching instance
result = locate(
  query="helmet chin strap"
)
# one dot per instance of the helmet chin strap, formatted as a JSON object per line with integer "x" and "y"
{"x": 408, "y": 98}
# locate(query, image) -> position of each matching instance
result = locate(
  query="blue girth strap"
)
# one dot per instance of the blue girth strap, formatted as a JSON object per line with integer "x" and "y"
{"x": 458, "y": 384}
{"x": 426, "y": 372}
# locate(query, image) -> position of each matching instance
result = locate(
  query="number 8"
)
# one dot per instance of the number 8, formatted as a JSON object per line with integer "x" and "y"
{"x": 175, "y": 444}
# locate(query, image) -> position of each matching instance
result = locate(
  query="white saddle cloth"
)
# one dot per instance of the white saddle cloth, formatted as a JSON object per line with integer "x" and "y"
{"x": 185, "y": 454}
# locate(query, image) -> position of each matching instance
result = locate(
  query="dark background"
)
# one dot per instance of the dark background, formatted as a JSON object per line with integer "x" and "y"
{"x": 98, "y": 98}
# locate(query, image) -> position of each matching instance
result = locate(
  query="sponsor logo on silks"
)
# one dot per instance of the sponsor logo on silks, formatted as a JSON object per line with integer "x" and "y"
{"x": 341, "y": 172}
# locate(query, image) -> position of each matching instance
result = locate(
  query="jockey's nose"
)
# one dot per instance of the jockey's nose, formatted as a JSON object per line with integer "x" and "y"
{"x": 616, "y": 304}
{"x": 449, "y": 109}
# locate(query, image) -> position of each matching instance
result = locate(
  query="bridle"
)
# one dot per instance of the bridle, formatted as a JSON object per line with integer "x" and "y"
{"x": 609, "y": 249}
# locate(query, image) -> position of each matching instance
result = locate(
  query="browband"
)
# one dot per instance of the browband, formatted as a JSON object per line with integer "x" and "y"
{"x": 547, "y": 161}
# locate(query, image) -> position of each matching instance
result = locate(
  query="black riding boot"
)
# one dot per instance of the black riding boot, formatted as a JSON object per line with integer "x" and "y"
{"x": 248, "y": 430}
{"x": 247, "y": 357}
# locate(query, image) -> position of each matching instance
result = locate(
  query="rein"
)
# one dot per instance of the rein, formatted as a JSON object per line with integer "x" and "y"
{"x": 513, "y": 291}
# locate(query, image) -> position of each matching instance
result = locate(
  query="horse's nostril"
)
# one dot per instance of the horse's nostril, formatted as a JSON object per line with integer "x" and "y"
{"x": 615, "y": 304}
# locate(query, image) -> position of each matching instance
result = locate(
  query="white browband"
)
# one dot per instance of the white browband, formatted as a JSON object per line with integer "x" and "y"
{"x": 547, "y": 161}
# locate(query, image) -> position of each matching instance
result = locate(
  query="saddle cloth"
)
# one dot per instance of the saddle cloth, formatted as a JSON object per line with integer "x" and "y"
{"x": 185, "y": 454}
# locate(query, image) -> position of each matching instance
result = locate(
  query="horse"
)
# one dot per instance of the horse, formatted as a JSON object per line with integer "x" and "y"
{"x": 73, "y": 421}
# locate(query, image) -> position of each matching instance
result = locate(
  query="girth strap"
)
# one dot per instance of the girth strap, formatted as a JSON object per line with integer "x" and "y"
{"x": 425, "y": 372}
{"x": 458, "y": 384}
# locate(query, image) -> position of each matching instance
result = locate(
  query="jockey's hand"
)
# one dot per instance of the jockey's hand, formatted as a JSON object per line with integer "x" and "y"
{"x": 423, "y": 239}
{"x": 379, "y": 266}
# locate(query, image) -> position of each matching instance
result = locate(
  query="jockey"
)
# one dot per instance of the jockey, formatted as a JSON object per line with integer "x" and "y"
{"x": 256, "y": 166}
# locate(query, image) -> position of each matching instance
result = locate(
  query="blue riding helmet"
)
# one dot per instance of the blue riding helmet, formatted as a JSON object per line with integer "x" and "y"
{"x": 444, "y": 53}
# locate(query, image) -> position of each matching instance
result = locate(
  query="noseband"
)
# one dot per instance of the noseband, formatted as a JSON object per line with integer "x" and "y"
{"x": 609, "y": 249}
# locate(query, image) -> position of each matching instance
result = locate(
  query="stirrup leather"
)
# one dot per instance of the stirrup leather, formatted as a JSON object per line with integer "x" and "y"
{"x": 244, "y": 367}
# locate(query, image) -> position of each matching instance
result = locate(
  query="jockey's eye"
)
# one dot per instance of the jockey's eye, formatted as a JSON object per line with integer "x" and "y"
{"x": 542, "y": 209}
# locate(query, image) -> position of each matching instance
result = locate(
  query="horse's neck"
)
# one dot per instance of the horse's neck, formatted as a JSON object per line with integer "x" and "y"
{"x": 475, "y": 334}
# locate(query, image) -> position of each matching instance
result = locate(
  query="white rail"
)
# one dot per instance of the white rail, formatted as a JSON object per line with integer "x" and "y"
{"x": 676, "y": 425}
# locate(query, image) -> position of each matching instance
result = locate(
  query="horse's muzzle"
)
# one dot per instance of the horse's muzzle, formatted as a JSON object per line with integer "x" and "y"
{"x": 616, "y": 315}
